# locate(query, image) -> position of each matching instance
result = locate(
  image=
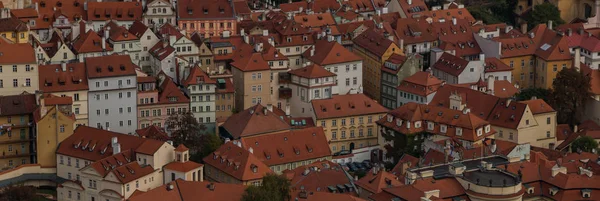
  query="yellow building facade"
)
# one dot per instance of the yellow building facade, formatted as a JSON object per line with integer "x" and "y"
{"x": 52, "y": 127}
{"x": 372, "y": 68}
{"x": 351, "y": 132}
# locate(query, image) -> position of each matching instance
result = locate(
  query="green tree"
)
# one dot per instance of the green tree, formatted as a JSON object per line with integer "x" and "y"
{"x": 185, "y": 130}
{"x": 584, "y": 143}
{"x": 406, "y": 144}
{"x": 208, "y": 144}
{"x": 492, "y": 11}
{"x": 17, "y": 193}
{"x": 528, "y": 93}
{"x": 273, "y": 188}
{"x": 543, "y": 13}
{"x": 571, "y": 90}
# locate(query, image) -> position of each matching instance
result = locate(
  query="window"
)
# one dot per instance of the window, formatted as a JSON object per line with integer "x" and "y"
{"x": 62, "y": 128}
{"x": 334, "y": 123}
{"x": 510, "y": 136}
{"x": 127, "y": 187}
{"x": 14, "y": 68}
{"x": 547, "y": 134}
{"x": 549, "y": 119}
{"x": 323, "y": 124}
{"x": 15, "y": 83}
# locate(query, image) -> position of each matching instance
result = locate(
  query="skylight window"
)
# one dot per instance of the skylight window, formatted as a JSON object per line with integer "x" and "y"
{"x": 545, "y": 47}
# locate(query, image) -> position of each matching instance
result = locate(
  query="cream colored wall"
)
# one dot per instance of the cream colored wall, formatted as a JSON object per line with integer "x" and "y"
{"x": 357, "y": 140}
{"x": 163, "y": 156}
{"x": 288, "y": 166}
{"x": 82, "y": 104}
{"x": 214, "y": 174}
{"x": 542, "y": 139}
{"x": 63, "y": 169}
{"x": 21, "y": 75}
{"x": 59, "y": 56}
{"x": 244, "y": 93}
{"x": 152, "y": 183}
{"x": 49, "y": 136}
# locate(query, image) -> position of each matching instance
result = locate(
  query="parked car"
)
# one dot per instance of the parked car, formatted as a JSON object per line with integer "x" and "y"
{"x": 360, "y": 166}
{"x": 341, "y": 153}
{"x": 367, "y": 164}
{"x": 352, "y": 167}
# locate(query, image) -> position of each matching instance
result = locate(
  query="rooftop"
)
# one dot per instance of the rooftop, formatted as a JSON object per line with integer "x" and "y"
{"x": 346, "y": 106}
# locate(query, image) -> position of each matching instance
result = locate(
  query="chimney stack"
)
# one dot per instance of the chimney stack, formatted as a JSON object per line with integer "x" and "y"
{"x": 43, "y": 109}
{"x": 524, "y": 28}
{"x": 550, "y": 24}
{"x": 490, "y": 84}
{"x": 115, "y": 146}
{"x": 577, "y": 59}
{"x": 454, "y": 20}
{"x": 409, "y": 2}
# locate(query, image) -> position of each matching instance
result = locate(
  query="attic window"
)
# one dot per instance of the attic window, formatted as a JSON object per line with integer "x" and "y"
{"x": 98, "y": 69}
{"x": 221, "y": 10}
{"x": 254, "y": 168}
{"x": 58, "y": 4}
{"x": 43, "y": 4}
{"x": 110, "y": 69}
{"x": 205, "y": 11}
{"x": 122, "y": 67}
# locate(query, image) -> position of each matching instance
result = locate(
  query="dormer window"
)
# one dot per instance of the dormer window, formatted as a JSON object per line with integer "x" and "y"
{"x": 390, "y": 118}
{"x": 398, "y": 122}
{"x": 459, "y": 131}
{"x": 430, "y": 125}
{"x": 487, "y": 129}
{"x": 418, "y": 124}
{"x": 289, "y": 39}
{"x": 254, "y": 168}
{"x": 214, "y": 156}
{"x": 479, "y": 132}
{"x": 443, "y": 128}
{"x": 408, "y": 124}
{"x": 586, "y": 193}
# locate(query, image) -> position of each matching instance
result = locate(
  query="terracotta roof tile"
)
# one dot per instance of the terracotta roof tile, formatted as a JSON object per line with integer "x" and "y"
{"x": 99, "y": 141}
{"x": 237, "y": 162}
{"x": 50, "y": 99}
{"x": 373, "y": 42}
{"x": 181, "y": 148}
{"x": 17, "y": 53}
{"x": 246, "y": 60}
{"x": 375, "y": 181}
{"x": 24, "y": 13}
{"x": 50, "y": 10}
{"x": 183, "y": 167}
{"x": 12, "y": 25}
{"x": 192, "y": 190}
{"x": 138, "y": 28}
{"x": 288, "y": 147}
{"x": 109, "y": 66}
{"x": 153, "y": 132}
{"x": 324, "y": 196}
{"x": 451, "y": 64}
{"x": 447, "y": 14}
{"x": 254, "y": 121}
{"x": 345, "y": 106}
{"x": 312, "y": 71}
{"x": 416, "y": 7}
{"x": 54, "y": 79}
{"x": 321, "y": 175}
{"x": 169, "y": 30}
{"x": 89, "y": 42}
{"x": 170, "y": 93}
{"x": 538, "y": 106}
{"x": 205, "y": 9}
{"x": 121, "y": 11}
{"x": 315, "y": 20}
{"x": 328, "y": 53}
{"x": 197, "y": 76}
{"x": 495, "y": 65}
{"x": 414, "y": 31}
{"x": 398, "y": 118}
{"x": 161, "y": 50}
{"x": 17, "y": 104}
{"x": 117, "y": 33}
{"x": 420, "y": 83}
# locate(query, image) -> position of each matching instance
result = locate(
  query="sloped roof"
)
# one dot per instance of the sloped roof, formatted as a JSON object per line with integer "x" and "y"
{"x": 17, "y": 104}
{"x": 152, "y": 132}
{"x": 53, "y": 79}
{"x": 170, "y": 93}
{"x": 254, "y": 121}
{"x": 89, "y": 42}
{"x": 373, "y": 42}
{"x": 205, "y": 9}
{"x": 16, "y": 53}
{"x": 161, "y": 50}
{"x": 321, "y": 174}
{"x": 138, "y": 28}
{"x": 110, "y": 66}
{"x": 420, "y": 83}
{"x": 345, "y": 106}
{"x": 121, "y": 11}
{"x": 192, "y": 190}
{"x": 328, "y": 53}
{"x": 12, "y": 25}
{"x": 375, "y": 180}
{"x": 237, "y": 162}
{"x": 288, "y": 147}
{"x": 196, "y": 76}
{"x": 312, "y": 71}
{"x": 183, "y": 167}
{"x": 451, "y": 64}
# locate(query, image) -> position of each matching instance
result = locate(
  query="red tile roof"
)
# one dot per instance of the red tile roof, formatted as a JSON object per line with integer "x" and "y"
{"x": 109, "y": 66}
{"x": 12, "y": 25}
{"x": 205, "y": 9}
{"x": 345, "y": 106}
{"x": 53, "y": 79}
{"x": 23, "y": 104}
{"x": 169, "y": 30}
{"x": 376, "y": 180}
{"x": 138, "y": 28}
{"x": 538, "y": 106}
{"x": 192, "y": 190}
{"x": 328, "y": 53}
{"x": 16, "y": 53}
{"x": 451, "y": 64}
{"x": 449, "y": 188}
{"x": 153, "y": 132}
{"x": 315, "y": 20}
{"x": 447, "y": 14}
{"x": 416, "y": 7}
{"x": 458, "y": 37}
{"x": 318, "y": 6}
{"x": 121, "y": 11}
{"x": 161, "y": 50}
{"x": 181, "y": 148}
{"x": 170, "y": 93}
{"x": 420, "y": 83}
{"x": 89, "y": 42}
{"x": 413, "y": 31}
{"x": 398, "y": 119}
{"x": 117, "y": 33}
{"x": 495, "y": 65}
{"x": 99, "y": 141}
{"x": 289, "y": 147}
{"x": 50, "y": 99}
{"x": 323, "y": 196}
{"x": 247, "y": 60}
{"x": 373, "y": 42}
{"x": 254, "y": 121}
{"x": 237, "y": 162}
{"x": 50, "y": 10}
{"x": 197, "y": 76}
{"x": 183, "y": 167}
{"x": 312, "y": 71}
{"x": 321, "y": 174}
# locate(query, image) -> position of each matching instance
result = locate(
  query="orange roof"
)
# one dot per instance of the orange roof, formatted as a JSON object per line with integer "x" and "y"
{"x": 192, "y": 190}
{"x": 152, "y": 132}
{"x": 246, "y": 59}
{"x": 117, "y": 33}
{"x": 376, "y": 180}
{"x": 121, "y": 11}
{"x": 89, "y": 42}
{"x": 373, "y": 42}
{"x": 538, "y": 106}
{"x": 23, "y": 104}
{"x": 99, "y": 141}
{"x": 170, "y": 93}
{"x": 327, "y": 53}
{"x": 420, "y": 83}
{"x": 205, "y": 9}
{"x": 109, "y": 66}
{"x": 345, "y": 106}
{"x": 50, "y": 10}
{"x": 447, "y": 14}
{"x": 449, "y": 188}
{"x": 16, "y": 53}
{"x": 323, "y": 196}
{"x": 138, "y": 28}
{"x": 315, "y": 20}
{"x": 317, "y": 176}
{"x": 254, "y": 121}
{"x": 54, "y": 79}
{"x": 181, "y": 148}
{"x": 237, "y": 162}
{"x": 57, "y": 100}
{"x": 416, "y": 7}
{"x": 451, "y": 64}
{"x": 12, "y": 25}
{"x": 183, "y": 167}
{"x": 197, "y": 76}
{"x": 495, "y": 65}
{"x": 413, "y": 31}
{"x": 312, "y": 71}
{"x": 287, "y": 147}
{"x": 453, "y": 119}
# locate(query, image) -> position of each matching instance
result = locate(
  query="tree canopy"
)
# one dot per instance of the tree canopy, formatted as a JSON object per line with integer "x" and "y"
{"x": 492, "y": 11}
{"x": 528, "y": 93}
{"x": 17, "y": 193}
{"x": 571, "y": 90}
{"x": 543, "y": 13}
{"x": 185, "y": 130}
{"x": 273, "y": 188}
{"x": 584, "y": 143}
{"x": 208, "y": 144}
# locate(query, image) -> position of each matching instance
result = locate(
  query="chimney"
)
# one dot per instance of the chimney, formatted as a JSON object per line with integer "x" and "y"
{"x": 550, "y": 24}
{"x": 105, "y": 37}
{"x": 575, "y": 128}
{"x": 265, "y": 111}
{"x": 569, "y": 32}
{"x": 43, "y": 109}
{"x": 312, "y": 51}
{"x": 490, "y": 84}
{"x": 270, "y": 107}
{"x": 287, "y": 110}
{"x": 242, "y": 33}
{"x": 409, "y": 2}
{"x": 266, "y": 32}
{"x": 63, "y": 66}
{"x": 524, "y": 28}
{"x": 172, "y": 39}
{"x": 454, "y": 20}
{"x": 115, "y": 146}
{"x": 466, "y": 111}
{"x": 577, "y": 59}
{"x": 36, "y": 6}
{"x": 402, "y": 44}
{"x": 251, "y": 150}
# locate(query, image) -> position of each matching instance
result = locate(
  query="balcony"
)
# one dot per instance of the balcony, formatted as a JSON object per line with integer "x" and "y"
{"x": 285, "y": 93}
{"x": 284, "y": 78}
